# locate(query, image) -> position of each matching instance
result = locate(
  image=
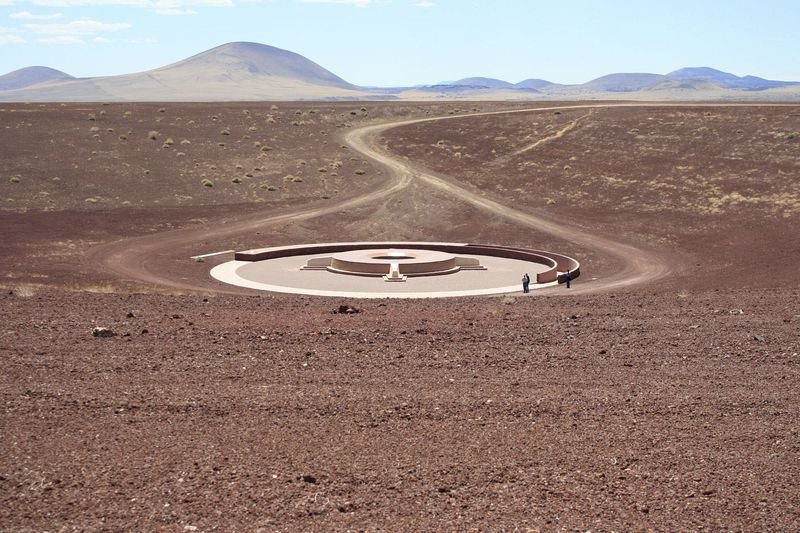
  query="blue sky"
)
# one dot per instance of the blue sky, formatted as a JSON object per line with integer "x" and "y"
{"x": 405, "y": 42}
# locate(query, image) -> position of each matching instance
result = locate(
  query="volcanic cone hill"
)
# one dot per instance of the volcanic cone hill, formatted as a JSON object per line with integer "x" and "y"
{"x": 234, "y": 72}
{"x": 245, "y": 71}
{"x": 28, "y": 76}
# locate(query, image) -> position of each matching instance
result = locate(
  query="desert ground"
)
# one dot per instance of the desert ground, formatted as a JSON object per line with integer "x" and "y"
{"x": 660, "y": 392}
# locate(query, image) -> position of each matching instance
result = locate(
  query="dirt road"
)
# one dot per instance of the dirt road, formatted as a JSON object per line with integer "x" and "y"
{"x": 641, "y": 265}
{"x": 136, "y": 258}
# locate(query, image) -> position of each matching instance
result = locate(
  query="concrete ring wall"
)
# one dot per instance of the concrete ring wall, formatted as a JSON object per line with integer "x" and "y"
{"x": 344, "y": 266}
{"x": 563, "y": 263}
{"x": 427, "y": 262}
{"x": 558, "y": 264}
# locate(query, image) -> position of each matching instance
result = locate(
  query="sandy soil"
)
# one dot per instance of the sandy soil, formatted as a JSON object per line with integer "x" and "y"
{"x": 667, "y": 406}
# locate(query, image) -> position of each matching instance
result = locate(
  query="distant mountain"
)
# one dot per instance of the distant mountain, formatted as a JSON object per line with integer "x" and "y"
{"x": 623, "y": 82}
{"x": 233, "y": 71}
{"x": 243, "y": 71}
{"x": 489, "y": 83}
{"x": 25, "y": 77}
{"x": 534, "y": 83}
{"x": 703, "y": 73}
{"x": 701, "y": 80}
{"x": 242, "y": 60}
{"x": 726, "y": 79}
{"x": 493, "y": 83}
{"x": 687, "y": 86}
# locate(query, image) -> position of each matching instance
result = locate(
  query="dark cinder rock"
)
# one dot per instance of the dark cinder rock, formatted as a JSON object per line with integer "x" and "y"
{"x": 346, "y": 309}
{"x": 103, "y": 332}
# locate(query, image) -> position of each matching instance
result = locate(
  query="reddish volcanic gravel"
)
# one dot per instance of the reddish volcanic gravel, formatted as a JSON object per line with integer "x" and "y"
{"x": 717, "y": 183}
{"x": 668, "y": 406}
{"x": 632, "y": 410}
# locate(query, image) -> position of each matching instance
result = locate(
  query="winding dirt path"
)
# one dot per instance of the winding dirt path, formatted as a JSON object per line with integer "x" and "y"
{"x": 557, "y": 135}
{"x": 640, "y": 265}
{"x": 137, "y": 258}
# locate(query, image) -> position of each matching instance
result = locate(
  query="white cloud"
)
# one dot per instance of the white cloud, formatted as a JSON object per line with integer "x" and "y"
{"x": 425, "y": 3}
{"x": 151, "y": 4}
{"x": 175, "y": 11}
{"x": 76, "y": 27}
{"x": 161, "y": 7}
{"x": 61, "y": 39}
{"x": 10, "y": 38}
{"x": 27, "y": 15}
{"x": 357, "y": 3}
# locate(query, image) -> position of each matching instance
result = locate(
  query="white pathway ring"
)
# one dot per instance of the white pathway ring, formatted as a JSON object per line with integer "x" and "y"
{"x": 312, "y": 269}
{"x": 226, "y": 273}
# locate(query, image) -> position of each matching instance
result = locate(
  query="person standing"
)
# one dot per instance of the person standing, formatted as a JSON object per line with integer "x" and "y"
{"x": 526, "y": 281}
{"x": 568, "y": 277}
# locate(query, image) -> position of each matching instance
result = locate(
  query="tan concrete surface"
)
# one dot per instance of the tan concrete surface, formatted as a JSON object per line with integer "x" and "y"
{"x": 284, "y": 275}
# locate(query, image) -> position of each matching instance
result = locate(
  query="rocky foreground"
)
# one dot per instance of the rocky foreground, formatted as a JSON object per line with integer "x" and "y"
{"x": 645, "y": 409}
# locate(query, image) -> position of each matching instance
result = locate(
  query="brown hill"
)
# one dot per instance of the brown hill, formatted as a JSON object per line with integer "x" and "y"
{"x": 233, "y": 72}
{"x": 245, "y": 71}
{"x": 25, "y": 77}
{"x": 238, "y": 62}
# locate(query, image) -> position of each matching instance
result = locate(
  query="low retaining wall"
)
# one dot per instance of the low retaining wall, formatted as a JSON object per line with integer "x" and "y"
{"x": 562, "y": 263}
{"x": 558, "y": 264}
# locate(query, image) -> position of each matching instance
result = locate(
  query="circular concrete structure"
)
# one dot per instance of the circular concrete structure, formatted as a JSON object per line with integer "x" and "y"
{"x": 377, "y": 262}
{"x": 394, "y": 269}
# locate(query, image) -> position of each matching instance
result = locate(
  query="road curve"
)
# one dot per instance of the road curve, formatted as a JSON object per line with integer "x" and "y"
{"x": 136, "y": 258}
{"x": 640, "y": 265}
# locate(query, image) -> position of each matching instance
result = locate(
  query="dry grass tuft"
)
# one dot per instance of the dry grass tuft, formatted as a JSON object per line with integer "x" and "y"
{"x": 24, "y": 291}
{"x": 100, "y": 289}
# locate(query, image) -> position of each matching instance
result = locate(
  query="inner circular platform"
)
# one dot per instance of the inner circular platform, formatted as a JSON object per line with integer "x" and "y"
{"x": 379, "y": 261}
{"x": 394, "y": 270}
